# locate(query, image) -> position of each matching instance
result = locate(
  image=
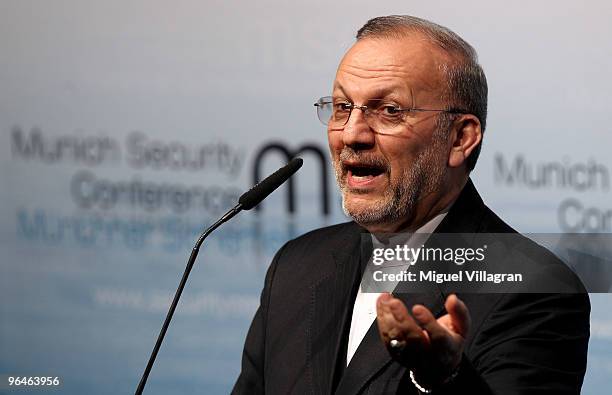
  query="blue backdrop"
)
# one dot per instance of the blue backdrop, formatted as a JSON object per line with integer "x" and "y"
{"x": 128, "y": 126}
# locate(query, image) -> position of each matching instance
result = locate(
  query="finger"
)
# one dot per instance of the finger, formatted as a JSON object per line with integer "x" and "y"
{"x": 386, "y": 323}
{"x": 384, "y": 316}
{"x": 459, "y": 314}
{"x": 383, "y": 310}
{"x": 390, "y": 316}
{"x": 394, "y": 321}
{"x": 446, "y": 322}
{"x": 389, "y": 305}
{"x": 427, "y": 321}
{"x": 403, "y": 319}
{"x": 399, "y": 311}
{"x": 385, "y": 296}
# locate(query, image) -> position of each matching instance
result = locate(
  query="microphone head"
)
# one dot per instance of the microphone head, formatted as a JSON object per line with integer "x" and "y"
{"x": 259, "y": 192}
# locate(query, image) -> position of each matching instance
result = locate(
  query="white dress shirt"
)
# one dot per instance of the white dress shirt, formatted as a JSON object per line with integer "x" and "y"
{"x": 364, "y": 309}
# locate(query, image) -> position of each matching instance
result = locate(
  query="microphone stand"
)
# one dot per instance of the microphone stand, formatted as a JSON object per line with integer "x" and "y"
{"x": 247, "y": 201}
{"x": 194, "y": 253}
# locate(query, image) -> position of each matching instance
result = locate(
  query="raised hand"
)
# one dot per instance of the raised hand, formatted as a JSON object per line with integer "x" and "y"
{"x": 430, "y": 347}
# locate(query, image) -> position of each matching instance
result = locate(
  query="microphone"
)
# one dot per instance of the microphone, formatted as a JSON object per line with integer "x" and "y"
{"x": 259, "y": 192}
{"x": 247, "y": 201}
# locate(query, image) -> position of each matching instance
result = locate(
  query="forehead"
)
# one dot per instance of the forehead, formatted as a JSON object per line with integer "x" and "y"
{"x": 380, "y": 66}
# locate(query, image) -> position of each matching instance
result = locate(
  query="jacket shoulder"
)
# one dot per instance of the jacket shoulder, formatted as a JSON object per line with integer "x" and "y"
{"x": 326, "y": 239}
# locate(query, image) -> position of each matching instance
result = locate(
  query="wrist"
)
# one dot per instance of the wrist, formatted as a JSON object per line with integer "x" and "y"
{"x": 427, "y": 387}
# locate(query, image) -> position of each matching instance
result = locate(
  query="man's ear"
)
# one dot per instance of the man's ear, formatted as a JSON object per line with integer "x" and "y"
{"x": 466, "y": 134}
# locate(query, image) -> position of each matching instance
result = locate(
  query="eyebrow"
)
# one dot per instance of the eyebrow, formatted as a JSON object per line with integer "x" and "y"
{"x": 379, "y": 93}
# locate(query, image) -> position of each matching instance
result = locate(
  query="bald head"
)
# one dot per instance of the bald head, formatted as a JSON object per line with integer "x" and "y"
{"x": 408, "y": 67}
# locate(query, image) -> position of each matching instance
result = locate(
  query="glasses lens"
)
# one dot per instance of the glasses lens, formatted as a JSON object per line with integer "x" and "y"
{"x": 385, "y": 117}
{"x": 324, "y": 109}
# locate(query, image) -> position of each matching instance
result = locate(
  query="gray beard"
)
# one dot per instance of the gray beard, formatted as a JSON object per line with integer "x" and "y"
{"x": 399, "y": 202}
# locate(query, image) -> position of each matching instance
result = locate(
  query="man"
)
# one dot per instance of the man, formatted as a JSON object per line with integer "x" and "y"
{"x": 405, "y": 125}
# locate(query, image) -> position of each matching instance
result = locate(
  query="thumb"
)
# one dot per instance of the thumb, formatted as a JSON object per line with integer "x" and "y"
{"x": 459, "y": 314}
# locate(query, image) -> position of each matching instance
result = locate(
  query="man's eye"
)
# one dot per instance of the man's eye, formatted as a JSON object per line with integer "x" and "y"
{"x": 391, "y": 110}
{"x": 342, "y": 107}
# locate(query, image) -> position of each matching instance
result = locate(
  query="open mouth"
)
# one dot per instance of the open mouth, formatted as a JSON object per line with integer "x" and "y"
{"x": 365, "y": 171}
{"x": 361, "y": 174}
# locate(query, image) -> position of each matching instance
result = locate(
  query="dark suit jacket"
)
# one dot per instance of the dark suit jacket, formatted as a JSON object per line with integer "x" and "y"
{"x": 518, "y": 343}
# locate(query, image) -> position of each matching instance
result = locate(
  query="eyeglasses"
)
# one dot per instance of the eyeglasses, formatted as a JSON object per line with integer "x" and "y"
{"x": 381, "y": 115}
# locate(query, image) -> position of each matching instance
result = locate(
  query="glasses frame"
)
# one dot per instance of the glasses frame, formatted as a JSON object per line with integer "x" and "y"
{"x": 329, "y": 100}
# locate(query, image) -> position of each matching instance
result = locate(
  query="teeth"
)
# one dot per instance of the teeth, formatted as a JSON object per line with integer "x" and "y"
{"x": 361, "y": 178}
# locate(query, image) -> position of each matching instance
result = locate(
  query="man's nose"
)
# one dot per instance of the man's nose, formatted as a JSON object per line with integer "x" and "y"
{"x": 357, "y": 132}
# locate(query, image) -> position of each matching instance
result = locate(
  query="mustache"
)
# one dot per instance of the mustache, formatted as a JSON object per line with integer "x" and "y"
{"x": 363, "y": 159}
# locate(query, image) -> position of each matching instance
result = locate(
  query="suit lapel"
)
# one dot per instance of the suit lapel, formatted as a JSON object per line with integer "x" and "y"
{"x": 371, "y": 355}
{"x": 332, "y": 306}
